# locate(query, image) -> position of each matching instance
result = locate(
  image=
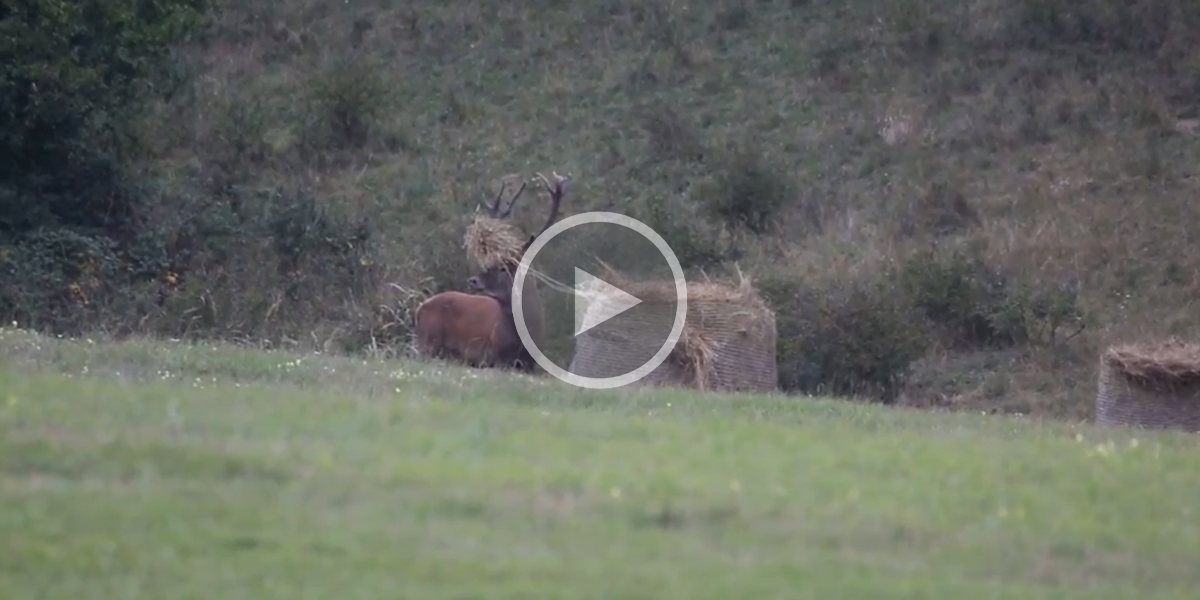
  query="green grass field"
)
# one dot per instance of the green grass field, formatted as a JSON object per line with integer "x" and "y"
{"x": 165, "y": 470}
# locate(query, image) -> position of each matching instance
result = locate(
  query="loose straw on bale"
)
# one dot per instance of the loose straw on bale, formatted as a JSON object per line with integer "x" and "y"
{"x": 694, "y": 352}
{"x": 493, "y": 243}
{"x": 1150, "y": 385}
{"x": 728, "y": 339}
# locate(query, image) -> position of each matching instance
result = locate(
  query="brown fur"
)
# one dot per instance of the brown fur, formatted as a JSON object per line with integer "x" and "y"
{"x": 470, "y": 328}
{"x": 499, "y": 282}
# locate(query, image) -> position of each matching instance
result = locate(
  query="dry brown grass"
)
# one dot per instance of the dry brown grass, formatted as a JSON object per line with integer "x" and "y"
{"x": 694, "y": 352}
{"x": 493, "y": 243}
{"x": 1172, "y": 361}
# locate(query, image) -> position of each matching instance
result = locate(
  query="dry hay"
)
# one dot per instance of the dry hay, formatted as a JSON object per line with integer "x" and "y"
{"x": 694, "y": 353}
{"x": 727, "y": 343}
{"x": 493, "y": 243}
{"x": 1153, "y": 385}
{"x": 1172, "y": 362}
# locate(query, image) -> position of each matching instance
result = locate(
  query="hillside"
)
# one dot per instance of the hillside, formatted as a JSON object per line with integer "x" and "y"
{"x": 948, "y": 203}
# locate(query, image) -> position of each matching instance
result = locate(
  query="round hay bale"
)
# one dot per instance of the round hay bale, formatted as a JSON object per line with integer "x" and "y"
{"x": 493, "y": 243}
{"x": 1150, "y": 385}
{"x": 727, "y": 344}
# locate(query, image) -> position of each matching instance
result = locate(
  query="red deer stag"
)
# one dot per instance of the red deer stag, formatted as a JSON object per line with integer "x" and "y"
{"x": 498, "y": 280}
{"x": 476, "y": 329}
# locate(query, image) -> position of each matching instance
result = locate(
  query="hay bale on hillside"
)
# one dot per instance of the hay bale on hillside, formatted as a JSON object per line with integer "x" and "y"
{"x": 727, "y": 344}
{"x": 491, "y": 242}
{"x": 1150, "y": 385}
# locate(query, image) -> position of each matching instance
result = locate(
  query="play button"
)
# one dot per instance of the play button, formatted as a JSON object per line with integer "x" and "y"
{"x": 598, "y": 301}
{"x": 608, "y": 330}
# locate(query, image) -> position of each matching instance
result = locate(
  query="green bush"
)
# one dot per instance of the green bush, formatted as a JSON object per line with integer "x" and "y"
{"x": 747, "y": 192}
{"x": 957, "y": 293}
{"x": 1129, "y": 25}
{"x": 696, "y": 243}
{"x": 845, "y": 336}
{"x": 238, "y": 144}
{"x": 50, "y": 278}
{"x": 282, "y": 261}
{"x": 73, "y": 77}
{"x": 973, "y": 305}
{"x": 345, "y": 102}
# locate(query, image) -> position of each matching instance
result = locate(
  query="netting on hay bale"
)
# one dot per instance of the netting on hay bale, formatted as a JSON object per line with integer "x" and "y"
{"x": 1150, "y": 385}
{"x": 728, "y": 340}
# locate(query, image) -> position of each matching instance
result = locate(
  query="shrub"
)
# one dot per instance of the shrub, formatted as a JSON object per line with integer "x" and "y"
{"x": 974, "y": 305}
{"x": 746, "y": 192}
{"x": 49, "y": 278}
{"x": 73, "y": 218}
{"x": 1130, "y": 25}
{"x": 75, "y": 75}
{"x": 237, "y": 144}
{"x": 957, "y": 293}
{"x": 844, "y": 336}
{"x": 345, "y": 102}
{"x": 696, "y": 243}
{"x": 670, "y": 135}
{"x": 270, "y": 269}
{"x": 275, "y": 265}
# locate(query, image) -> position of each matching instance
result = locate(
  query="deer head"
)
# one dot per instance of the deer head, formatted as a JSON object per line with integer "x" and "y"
{"x": 498, "y": 279}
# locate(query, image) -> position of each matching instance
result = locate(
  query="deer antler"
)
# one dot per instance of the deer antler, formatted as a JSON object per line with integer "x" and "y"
{"x": 556, "y": 186}
{"x": 493, "y": 207}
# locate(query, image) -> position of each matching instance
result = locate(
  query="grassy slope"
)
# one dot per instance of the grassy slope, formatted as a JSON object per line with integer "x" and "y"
{"x": 1068, "y": 153}
{"x": 159, "y": 470}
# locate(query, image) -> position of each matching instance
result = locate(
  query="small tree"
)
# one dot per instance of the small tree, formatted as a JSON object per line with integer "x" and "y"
{"x": 72, "y": 76}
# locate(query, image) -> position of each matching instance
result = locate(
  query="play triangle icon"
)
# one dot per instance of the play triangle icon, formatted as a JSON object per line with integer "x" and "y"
{"x": 600, "y": 301}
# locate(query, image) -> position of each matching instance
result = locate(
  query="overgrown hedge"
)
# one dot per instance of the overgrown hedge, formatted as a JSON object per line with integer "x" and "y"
{"x": 859, "y": 335}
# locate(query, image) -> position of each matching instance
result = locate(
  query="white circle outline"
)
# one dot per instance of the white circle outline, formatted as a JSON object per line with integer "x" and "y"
{"x": 600, "y": 383}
